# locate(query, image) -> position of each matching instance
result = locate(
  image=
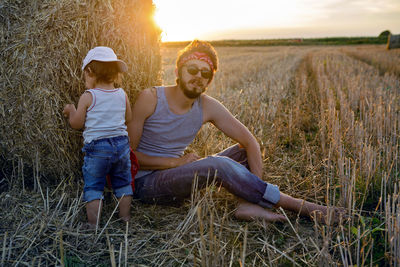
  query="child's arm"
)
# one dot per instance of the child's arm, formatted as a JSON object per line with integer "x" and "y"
{"x": 77, "y": 116}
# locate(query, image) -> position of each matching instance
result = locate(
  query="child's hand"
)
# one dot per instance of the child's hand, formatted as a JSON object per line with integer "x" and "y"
{"x": 68, "y": 109}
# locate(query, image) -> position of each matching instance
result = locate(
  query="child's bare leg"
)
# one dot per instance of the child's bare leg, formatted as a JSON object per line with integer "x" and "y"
{"x": 249, "y": 211}
{"x": 93, "y": 210}
{"x": 125, "y": 208}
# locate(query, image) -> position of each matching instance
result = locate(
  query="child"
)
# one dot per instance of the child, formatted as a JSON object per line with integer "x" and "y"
{"x": 104, "y": 111}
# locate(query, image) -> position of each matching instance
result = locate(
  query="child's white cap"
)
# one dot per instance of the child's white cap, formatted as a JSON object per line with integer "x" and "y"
{"x": 103, "y": 54}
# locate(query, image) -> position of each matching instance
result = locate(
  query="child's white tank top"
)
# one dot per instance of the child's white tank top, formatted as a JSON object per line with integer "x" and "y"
{"x": 105, "y": 117}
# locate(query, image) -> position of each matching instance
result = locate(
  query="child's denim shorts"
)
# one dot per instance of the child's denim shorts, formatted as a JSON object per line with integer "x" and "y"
{"x": 102, "y": 157}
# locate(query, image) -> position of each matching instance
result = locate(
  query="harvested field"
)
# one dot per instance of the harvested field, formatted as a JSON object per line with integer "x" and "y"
{"x": 329, "y": 126}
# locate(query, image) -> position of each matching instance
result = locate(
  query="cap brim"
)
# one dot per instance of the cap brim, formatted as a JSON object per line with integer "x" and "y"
{"x": 123, "y": 67}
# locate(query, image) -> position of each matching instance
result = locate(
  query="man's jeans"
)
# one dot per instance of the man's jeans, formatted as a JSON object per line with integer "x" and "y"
{"x": 230, "y": 168}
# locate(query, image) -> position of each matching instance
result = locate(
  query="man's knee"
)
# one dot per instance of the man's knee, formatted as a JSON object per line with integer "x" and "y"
{"x": 221, "y": 164}
{"x": 216, "y": 161}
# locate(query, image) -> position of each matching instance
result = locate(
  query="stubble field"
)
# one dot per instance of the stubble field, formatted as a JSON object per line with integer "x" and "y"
{"x": 327, "y": 120}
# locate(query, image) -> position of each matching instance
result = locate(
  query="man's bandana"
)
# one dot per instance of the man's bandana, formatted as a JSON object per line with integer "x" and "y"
{"x": 199, "y": 56}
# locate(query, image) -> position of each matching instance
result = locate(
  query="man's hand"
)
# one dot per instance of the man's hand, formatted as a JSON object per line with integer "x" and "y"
{"x": 185, "y": 159}
{"x": 68, "y": 109}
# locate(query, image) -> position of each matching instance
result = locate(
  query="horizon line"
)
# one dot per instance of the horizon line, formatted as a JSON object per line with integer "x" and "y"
{"x": 262, "y": 39}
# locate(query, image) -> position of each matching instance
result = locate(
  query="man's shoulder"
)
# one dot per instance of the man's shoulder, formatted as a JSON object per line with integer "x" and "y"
{"x": 212, "y": 108}
{"x": 209, "y": 101}
{"x": 149, "y": 92}
{"x": 148, "y": 95}
{"x": 146, "y": 102}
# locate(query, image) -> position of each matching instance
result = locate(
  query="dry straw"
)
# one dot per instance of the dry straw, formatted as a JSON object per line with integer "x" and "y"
{"x": 42, "y": 47}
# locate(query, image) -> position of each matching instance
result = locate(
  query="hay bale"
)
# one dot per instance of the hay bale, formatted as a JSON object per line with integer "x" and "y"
{"x": 393, "y": 41}
{"x": 42, "y": 47}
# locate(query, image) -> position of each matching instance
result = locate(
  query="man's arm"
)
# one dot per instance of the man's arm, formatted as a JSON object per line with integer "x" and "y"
{"x": 218, "y": 115}
{"x": 144, "y": 107}
{"x": 128, "y": 111}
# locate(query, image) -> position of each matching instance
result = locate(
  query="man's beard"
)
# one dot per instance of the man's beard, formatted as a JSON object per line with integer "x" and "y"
{"x": 192, "y": 94}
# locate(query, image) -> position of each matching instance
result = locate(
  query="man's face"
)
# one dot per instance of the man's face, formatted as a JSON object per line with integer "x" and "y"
{"x": 194, "y": 77}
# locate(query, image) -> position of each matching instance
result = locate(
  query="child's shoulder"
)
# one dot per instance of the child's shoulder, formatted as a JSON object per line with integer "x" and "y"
{"x": 87, "y": 93}
{"x": 86, "y": 99}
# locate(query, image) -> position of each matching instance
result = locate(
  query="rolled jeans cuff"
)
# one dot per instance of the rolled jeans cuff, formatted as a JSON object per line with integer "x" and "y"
{"x": 125, "y": 190}
{"x": 92, "y": 195}
{"x": 271, "y": 196}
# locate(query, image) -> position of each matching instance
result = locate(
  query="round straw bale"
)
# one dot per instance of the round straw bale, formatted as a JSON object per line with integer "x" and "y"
{"x": 43, "y": 44}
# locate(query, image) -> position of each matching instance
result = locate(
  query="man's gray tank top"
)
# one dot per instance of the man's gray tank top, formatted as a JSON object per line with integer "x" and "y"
{"x": 166, "y": 134}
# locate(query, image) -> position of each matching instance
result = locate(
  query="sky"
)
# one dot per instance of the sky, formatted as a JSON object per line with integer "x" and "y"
{"x": 183, "y": 20}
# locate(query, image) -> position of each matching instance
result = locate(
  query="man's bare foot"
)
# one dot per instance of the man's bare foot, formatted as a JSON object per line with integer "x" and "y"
{"x": 332, "y": 216}
{"x": 249, "y": 211}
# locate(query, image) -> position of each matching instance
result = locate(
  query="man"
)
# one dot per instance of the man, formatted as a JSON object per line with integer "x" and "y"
{"x": 167, "y": 119}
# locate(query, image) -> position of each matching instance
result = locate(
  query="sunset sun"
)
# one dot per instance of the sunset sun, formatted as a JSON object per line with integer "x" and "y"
{"x": 186, "y": 20}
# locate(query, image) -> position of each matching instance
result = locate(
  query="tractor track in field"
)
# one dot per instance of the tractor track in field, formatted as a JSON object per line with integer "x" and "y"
{"x": 298, "y": 120}
{"x": 382, "y": 69}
